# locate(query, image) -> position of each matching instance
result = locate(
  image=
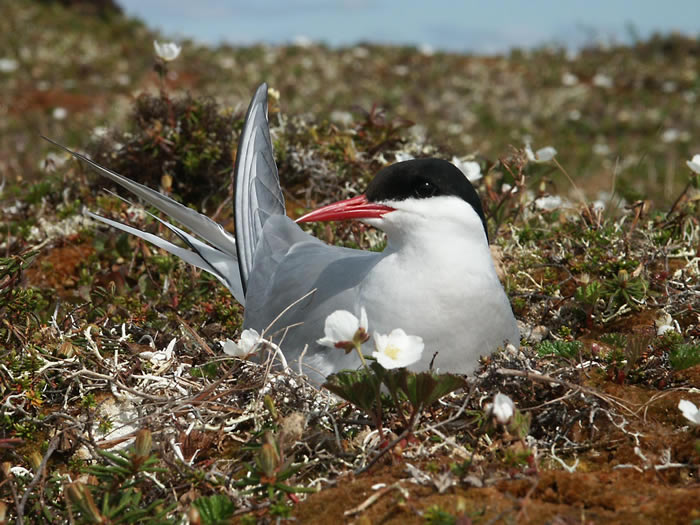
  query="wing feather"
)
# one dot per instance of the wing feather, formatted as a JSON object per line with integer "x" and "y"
{"x": 258, "y": 193}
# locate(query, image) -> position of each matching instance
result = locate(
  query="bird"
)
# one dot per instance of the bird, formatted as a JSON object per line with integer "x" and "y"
{"x": 435, "y": 278}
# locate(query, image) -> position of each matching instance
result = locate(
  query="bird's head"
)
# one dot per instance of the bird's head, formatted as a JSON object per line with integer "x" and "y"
{"x": 413, "y": 196}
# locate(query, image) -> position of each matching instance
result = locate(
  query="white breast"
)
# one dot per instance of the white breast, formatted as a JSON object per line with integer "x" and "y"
{"x": 439, "y": 282}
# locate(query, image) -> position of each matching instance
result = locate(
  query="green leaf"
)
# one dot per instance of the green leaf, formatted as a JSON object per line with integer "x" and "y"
{"x": 424, "y": 388}
{"x": 359, "y": 387}
{"x": 215, "y": 509}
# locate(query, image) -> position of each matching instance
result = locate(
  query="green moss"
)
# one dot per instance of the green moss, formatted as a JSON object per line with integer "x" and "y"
{"x": 568, "y": 349}
{"x": 684, "y": 356}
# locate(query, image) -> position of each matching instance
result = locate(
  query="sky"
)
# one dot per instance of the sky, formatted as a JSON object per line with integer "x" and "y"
{"x": 487, "y": 26}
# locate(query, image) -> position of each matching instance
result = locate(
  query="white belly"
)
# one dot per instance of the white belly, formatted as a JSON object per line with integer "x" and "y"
{"x": 460, "y": 319}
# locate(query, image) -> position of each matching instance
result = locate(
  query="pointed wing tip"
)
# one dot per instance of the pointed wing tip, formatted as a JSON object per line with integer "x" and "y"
{"x": 52, "y": 141}
{"x": 263, "y": 87}
{"x": 66, "y": 149}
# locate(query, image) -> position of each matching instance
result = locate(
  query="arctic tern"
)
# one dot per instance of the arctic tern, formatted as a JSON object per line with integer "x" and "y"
{"x": 435, "y": 278}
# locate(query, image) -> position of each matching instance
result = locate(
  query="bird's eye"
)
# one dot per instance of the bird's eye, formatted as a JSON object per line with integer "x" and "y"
{"x": 425, "y": 189}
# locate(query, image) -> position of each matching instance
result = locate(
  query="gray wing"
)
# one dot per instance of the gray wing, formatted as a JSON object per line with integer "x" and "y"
{"x": 288, "y": 265}
{"x": 218, "y": 257}
{"x": 258, "y": 193}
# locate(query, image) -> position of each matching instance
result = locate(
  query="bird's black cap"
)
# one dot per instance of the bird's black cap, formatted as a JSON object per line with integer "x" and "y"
{"x": 422, "y": 179}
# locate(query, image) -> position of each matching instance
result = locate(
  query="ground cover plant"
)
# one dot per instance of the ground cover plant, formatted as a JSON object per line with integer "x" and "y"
{"x": 119, "y": 403}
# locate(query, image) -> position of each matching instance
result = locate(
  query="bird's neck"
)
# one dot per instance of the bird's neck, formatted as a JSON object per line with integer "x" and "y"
{"x": 444, "y": 245}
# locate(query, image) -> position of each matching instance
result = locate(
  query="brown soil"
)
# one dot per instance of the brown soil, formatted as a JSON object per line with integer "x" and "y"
{"x": 58, "y": 267}
{"x": 611, "y": 482}
{"x": 625, "y": 497}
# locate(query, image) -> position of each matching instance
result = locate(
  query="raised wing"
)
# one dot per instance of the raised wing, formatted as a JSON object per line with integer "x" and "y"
{"x": 258, "y": 194}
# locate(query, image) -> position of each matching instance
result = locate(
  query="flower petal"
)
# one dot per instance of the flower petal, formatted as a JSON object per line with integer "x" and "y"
{"x": 503, "y": 408}
{"x": 397, "y": 350}
{"x": 694, "y": 164}
{"x": 545, "y": 154}
{"x": 689, "y": 411}
{"x": 167, "y": 50}
{"x": 364, "y": 323}
{"x": 340, "y": 326}
{"x": 246, "y": 346}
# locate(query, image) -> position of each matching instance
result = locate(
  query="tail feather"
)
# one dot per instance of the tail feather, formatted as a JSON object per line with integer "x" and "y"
{"x": 200, "y": 224}
{"x": 218, "y": 255}
{"x": 203, "y": 256}
{"x": 258, "y": 196}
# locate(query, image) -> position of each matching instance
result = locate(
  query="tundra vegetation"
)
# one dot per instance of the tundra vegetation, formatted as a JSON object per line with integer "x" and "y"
{"x": 119, "y": 404}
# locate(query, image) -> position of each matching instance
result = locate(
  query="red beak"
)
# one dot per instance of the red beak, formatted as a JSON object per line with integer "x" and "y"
{"x": 356, "y": 208}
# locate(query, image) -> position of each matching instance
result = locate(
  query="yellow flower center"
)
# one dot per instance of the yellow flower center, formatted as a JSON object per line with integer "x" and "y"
{"x": 392, "y": 351}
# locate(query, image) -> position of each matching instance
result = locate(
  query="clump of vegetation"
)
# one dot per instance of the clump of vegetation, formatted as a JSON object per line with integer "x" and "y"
{"x": 183, "y": 145}
{"x": 122, "y": 484}
{"x": 568, "y": 349}
{"x": 684, "y": 356}
{"x": 21, "y": 308}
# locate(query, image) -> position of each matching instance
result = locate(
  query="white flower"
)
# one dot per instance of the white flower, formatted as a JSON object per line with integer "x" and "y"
{"x": 669, "y": 86}
{"x": 426, "y": 49}
{"x": 8, "y": 65}
{"x": 246, "y": 345}
{"x": 569, "y": 79}
{"x": 670, "y": 135}
{"x": 690, "y": 411}
{"x": 574, "y": 114}
{"x": 503, "y": 408}
{"x": 401, "y": 70}
{"x": 665, "y": 323}
{"x": 227, "y": 62}
{"x": 341, "y": 117}
{"x": 602, "y": 81}
{"x": 100, "y": 131}
{"x": 59, "y": 113}
{"x": 541, "y": 155}
{"x": 601, "y": 148}
{"x": 694, "y": 164}
{"x": 549, "y": 202}
{"x": 360, "y": 52}
{"x": 302, "y": 41}
{"x": 342, "y": 328}
{"x": 167, "y": 51}
{"x": 661, "y": 330}
{"x": 123, "y": 79}
{"x": 471, "y": 169}
{"x": 397, "y": 349}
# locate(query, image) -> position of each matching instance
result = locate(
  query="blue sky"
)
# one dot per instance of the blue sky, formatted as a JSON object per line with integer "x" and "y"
{"x": 476, "y": 26}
